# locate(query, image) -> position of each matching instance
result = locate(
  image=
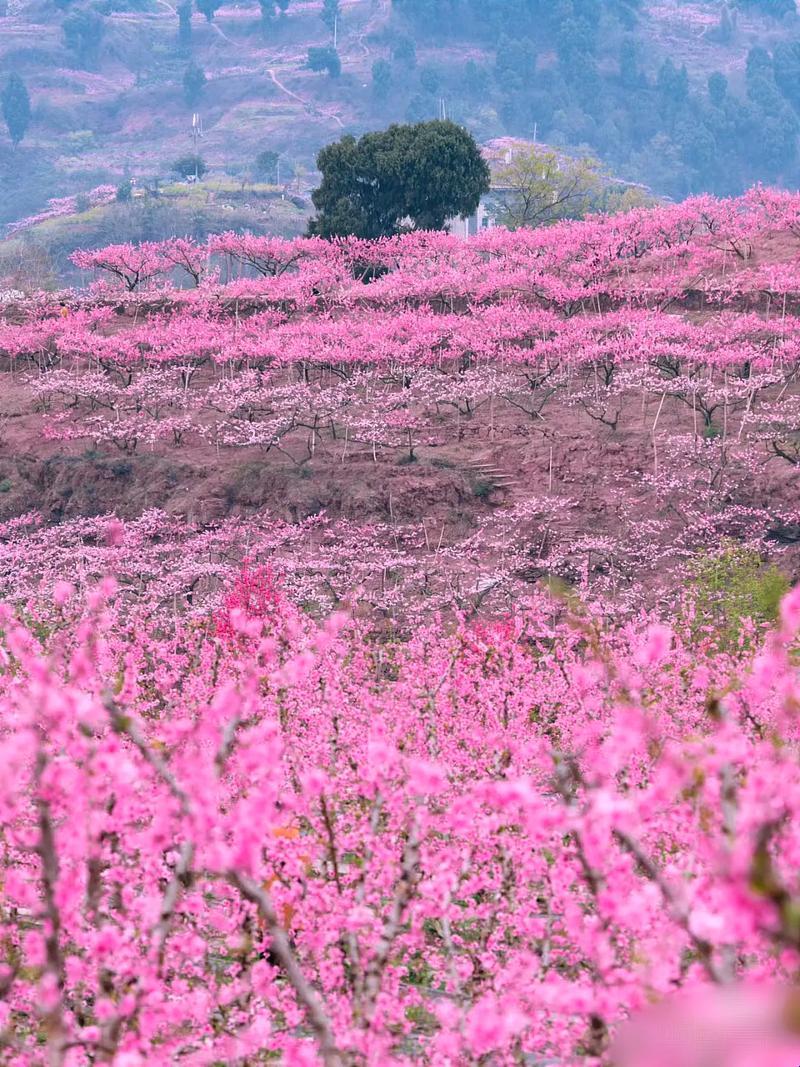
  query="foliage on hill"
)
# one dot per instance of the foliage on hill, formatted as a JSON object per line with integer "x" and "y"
{"x": 640, "y": 87}
{"x": 16, "y": 107}
{"x": 586, "y": 73}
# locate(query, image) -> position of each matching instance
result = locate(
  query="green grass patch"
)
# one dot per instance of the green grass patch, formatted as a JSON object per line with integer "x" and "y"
{"x": 733, "y": 585}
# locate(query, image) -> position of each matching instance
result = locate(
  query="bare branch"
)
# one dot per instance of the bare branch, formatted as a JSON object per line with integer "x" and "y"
{"x": 282, "y": 952}
{"x": 406, "y": 886}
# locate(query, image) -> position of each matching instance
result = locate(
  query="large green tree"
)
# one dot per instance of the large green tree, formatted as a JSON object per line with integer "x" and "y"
{"x": 413, "y": 176}
{"x": 16, "y": 107}
{"x": 539, "y": 186}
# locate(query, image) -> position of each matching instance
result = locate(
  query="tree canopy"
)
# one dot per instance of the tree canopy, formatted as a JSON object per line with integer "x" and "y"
{"x": 266, "y": 165}
{"x": 538, "y": 186}
{"x": 324, "y": 58}
{"x": 16, "y": 107}
{"x": 208, "y": 8}
{"x": 406, "y": 177}
{"x": 194, "y": 81}
{"x": 83, "y": 33}
{"x": 190, "y": 165}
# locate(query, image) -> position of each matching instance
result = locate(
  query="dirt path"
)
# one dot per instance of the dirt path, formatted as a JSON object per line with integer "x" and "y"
{"x": 310, "y": 108}
{"x": 377, "y": 16}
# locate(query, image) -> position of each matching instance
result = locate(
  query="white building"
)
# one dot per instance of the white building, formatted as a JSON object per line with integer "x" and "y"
{"x": 480, "y": 219}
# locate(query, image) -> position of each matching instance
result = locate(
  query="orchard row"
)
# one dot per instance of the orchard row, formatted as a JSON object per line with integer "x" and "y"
{"x": 703, "y": 247}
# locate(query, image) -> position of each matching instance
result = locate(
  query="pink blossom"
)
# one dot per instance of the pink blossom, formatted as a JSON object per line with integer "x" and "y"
{"x": 655, "y": 646}
{"x": 790, "y": 612}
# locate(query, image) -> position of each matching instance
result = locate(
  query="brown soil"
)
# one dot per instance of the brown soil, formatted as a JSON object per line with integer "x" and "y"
{"x": 596, "y": 473}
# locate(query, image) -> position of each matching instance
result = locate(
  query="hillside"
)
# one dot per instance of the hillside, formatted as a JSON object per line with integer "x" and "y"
{"x": 108, "y": 99}
{"x": 595, "y": 403}
{"x": 36, "y": 251}
{"x": 399, "y": 648}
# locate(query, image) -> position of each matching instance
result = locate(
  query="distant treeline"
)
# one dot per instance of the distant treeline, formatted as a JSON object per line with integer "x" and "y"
{"x": 578, "y": 73}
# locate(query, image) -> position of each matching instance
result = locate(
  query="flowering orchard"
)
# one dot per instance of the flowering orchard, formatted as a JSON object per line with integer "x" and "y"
{"x": 346, "y": 792}
{"x": 676, "y": 324}
{"x": 250, "y": 836}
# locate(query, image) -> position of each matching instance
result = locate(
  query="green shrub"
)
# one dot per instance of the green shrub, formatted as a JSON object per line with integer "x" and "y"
{"x": 80, "y": 140}
{"x": 735, "y": 584}
{"x": 266, "y": 165}
{"x": 189, "y": 166}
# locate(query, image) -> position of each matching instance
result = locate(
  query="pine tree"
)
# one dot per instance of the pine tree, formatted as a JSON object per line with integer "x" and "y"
{"x": 381, "y": 79}
{"x": 16, "y": 106}
{"x": 185, "y": 24}
{"x": 330, "y": 13}
{"x": 194, "y": 81}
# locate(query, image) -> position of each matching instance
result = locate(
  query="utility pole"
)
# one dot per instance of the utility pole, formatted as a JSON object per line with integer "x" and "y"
{"x": 335, "y": 29}
{"x": 197, "y": 133}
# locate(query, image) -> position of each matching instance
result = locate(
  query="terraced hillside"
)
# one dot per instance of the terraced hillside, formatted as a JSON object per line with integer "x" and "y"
{"x": 596, "y": 403}
{"x": 108, "y": 96}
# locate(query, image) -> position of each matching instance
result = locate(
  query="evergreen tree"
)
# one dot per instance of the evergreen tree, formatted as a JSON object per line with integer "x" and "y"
{"x": 330, "y": 13}
{"x": 266, "y": 165}
{"x": 475, "y": 80}
{"x": 628, "y": 64}
{"x": 786, "y": 64}
{"x": 673, "y": 90}
{"x": 320, "y": 59}
{"x": 185, "y": 25}
{"x": 427, "y": 173}
{"x": 404, "y": 51}
{"x": 16, "y": 107}
{"x": 759, "y": 63}
{"x": 717, "y": 88}
{"x": 430, "y": 78}
{"x": 726, "y": 27}
{"x": 515, "y": 63}
{"x": 83, "y": 33}
{"x": 194, "y": 82}
{"x": 189, "y": 166}
{"x": 381, "y": 80}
